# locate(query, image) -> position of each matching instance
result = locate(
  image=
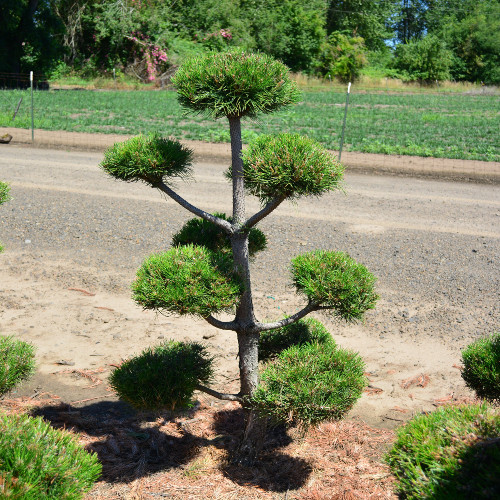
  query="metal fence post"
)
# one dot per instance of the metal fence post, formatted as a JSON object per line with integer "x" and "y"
{"x": 32, "y": 115}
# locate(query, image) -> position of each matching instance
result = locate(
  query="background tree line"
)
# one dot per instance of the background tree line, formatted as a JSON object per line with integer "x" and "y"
{"x": 423, "y": 40}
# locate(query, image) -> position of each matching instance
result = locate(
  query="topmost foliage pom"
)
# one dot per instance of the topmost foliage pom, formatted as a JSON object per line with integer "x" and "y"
{"x": 234, "y": 84}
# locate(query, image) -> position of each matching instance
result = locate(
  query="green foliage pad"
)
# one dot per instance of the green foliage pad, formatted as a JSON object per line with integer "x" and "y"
{"x": 187, "y": 280}
{"x": 304, "y": 331}
{"x": 4, "y": 192}
{"x": 37, "y": 461}
{"x": 309, "y": 384}
{"x": 290, "y": 166}
{"x": 452, "y": 453}
{"x": 17, "y": 362}
{"x": 481, "y": 370}
{"x": 204, "y": 233}
{"x": 148, "y": 158}
{"x": 335, "y": 280}
{"x": 163, "y": 377}
{"x": 234, "y": 84}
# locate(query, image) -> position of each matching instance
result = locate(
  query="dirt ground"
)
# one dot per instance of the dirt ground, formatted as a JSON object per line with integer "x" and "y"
{"x": 64, "y": 286}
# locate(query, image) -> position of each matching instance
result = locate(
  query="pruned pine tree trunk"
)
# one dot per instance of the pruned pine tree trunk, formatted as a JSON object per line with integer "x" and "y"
{"x": 248, "y": 335}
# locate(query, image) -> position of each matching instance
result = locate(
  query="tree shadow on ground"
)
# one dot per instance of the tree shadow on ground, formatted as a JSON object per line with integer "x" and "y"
{"x": 131, "y": 445}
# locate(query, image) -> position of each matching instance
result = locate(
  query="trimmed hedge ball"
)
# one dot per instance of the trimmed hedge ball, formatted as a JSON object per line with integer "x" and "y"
{"x": 481, "y": 370}
{"x": 17, "y": 362}
{"x": 451, "y": 453}
{"x": 304, "y": 331}
{"x": 4, "y": 192}
{"x": 187, "y": 280}
{"x": 38, "y": 461}
{"x": 336, "y": 281}
{"x": 308, "y": 384}
{"x": 235, "y": 83}
{"x": 163, "y": 377}
{"x": 149, "y": 158}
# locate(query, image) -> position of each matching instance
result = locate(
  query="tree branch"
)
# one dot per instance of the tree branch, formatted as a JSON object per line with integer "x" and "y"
{"x": 222, "y": 325}
{"x": 223, "y": 224}
{"x": 264, "y": 212}
{"x": 220, "y": 395}
{"x": 262, "y": 327}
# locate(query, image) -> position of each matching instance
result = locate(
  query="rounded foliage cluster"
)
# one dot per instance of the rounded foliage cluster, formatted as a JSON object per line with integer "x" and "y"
{"x": 481, "y": 370}
{"x": 304, "y": 331}
{"x": 163, "y": 377}
{"x": 336, "y": 281}
{"x": 201, "y": 232}
{"x": 453, "y": 452}
{"x": 289, "y": 166}
{"x": 308, "y": 384}
{"x": 187, "y": 280}
{"x": 234, "y": 84}
{"x": 4, "y": 192}
{"x": 17, "y": 362}
{"x": 148, "y": 158}
{"x": 38, "y": 461}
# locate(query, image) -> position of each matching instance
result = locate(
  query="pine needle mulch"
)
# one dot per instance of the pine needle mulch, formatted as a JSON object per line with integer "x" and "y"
{"x": 185, "y": 457}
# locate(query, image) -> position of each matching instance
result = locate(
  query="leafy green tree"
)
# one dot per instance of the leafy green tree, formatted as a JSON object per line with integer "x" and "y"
{"x": 426, "y": 60}
{"x": 342, "y": 57}
{"x": 196, "y": 280}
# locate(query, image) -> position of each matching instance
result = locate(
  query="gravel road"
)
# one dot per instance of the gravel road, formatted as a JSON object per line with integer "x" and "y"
{"x": 433, "y": 245}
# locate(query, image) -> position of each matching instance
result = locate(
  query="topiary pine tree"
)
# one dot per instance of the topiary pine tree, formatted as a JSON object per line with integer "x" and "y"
{"x": 207, "y": 270}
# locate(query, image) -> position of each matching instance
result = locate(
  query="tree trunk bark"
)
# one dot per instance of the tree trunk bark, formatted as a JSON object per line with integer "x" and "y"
{"x": 248, "y": 336}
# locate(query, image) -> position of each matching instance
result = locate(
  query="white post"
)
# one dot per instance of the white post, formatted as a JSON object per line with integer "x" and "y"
{"x": 32, "y": 115}
{"x": 345, "y": 118}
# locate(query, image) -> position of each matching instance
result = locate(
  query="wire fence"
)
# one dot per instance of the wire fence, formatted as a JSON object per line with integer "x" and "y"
{"x": 450, "y": 134}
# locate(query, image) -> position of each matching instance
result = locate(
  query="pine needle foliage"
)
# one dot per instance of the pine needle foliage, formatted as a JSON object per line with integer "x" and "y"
{"x": 38, "y": 461}
{"x": 304, "y": 331}
{"x": 204, "y": 233}
{"x": 17, "y": 362}
{"x": 163, "y": 377}
{"x": 289, "y": 166}
{"x": 481, "y": 371}
{"x": 235, "y": 84}
{"x": 451, "y": 453}
{"x": 149, "y": 158}
{"x": 309, "y": 384}
{"x": 4, "y": 192}
{"x": 187, "y": 280}
{"x": 335, "y": 280}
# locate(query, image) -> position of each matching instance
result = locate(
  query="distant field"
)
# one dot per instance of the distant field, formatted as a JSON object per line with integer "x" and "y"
{"x": 437, "y": 125}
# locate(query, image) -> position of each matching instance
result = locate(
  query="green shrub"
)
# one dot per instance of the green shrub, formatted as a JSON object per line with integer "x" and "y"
{"x": 4, "y": 192}
{"x": 17, "y": 362}
{"x": 187, "y": 280}
{"x": 335, "y": 280}
{"x": 37, "y": 461}
{"x": 234, "y": 83}
{"x": 451, "y": 453}
{"x": 289, "y": 166}
{"x": 148, "y": 158}
{"x": 163, "y": 377}
{"x": 304, "y": 331}
{"x": 481, "y": 370}
{"x": 206, "y": 234}
{"x": 308, "y": 384}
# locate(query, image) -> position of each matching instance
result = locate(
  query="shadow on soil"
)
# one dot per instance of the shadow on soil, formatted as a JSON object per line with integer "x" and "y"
{"x": 131, "y": 445}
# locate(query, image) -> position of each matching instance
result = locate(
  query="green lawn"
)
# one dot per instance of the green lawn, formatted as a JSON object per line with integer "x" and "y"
{"x": 439, "y": 125}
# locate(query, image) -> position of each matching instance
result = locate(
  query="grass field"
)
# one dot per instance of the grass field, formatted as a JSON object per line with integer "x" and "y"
{"x": 425, "y": 124}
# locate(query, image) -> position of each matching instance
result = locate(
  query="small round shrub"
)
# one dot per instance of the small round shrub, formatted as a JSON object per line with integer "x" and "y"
{"x": 4, "y": 192}
{"x": 289, "y": 166}
{"x": 336, "y": 281}
{"x": 187, "y": 280}
{"x": 17, "y": 362}
{"x": 481, "y": 370}
{"x": 149, "y": 158}
{"x": 163, "y": 377}
{"x": 38, "y": 461}
{"x": 451, "y": 453}
{"x": 201, "y": 232}
{"x": 304, "y": 331}
{"x": 234, "y": 83}
{"x": 308, "y": 384}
